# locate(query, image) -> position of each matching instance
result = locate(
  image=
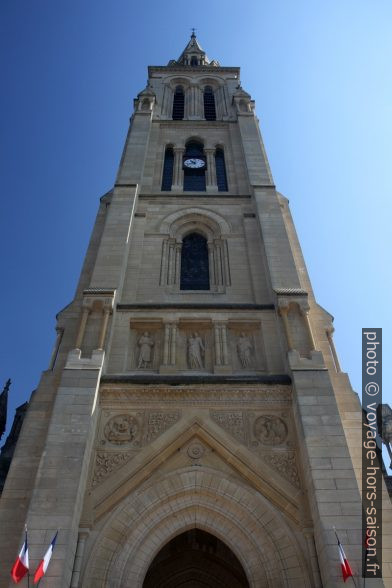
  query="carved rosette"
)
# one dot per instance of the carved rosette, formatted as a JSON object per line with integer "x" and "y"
{"x": 195, "y": 450}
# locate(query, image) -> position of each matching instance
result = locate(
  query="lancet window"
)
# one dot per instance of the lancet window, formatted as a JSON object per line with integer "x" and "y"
{"x": 209, "y": 104}
{"x": 167, "y": 175}
{"x": 220, "y": 167}
{"x": 178, "y": 104}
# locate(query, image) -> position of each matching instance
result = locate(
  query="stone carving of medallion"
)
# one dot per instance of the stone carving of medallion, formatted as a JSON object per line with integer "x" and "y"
{"x": 121, "y": 429}
{"x": 270, "y": 429}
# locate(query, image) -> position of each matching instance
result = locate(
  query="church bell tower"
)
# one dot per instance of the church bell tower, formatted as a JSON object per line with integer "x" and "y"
{"x": 194, "y": 426}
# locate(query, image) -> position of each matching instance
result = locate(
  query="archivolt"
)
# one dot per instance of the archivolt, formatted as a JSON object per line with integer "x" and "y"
{"x": 150, "y": 517}
{"x": 171, "y": 225}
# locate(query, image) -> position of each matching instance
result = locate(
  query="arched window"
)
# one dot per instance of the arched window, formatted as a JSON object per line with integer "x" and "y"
{"x": 194, "y": 178}
{"x": 167, "y": 175}
{"x": 178, "y": 104}
{"x": 194, "y": 263}
{"x": 221, "y": 177}
{"x": 209, "y": 104}
{"x": 194, "y": 61}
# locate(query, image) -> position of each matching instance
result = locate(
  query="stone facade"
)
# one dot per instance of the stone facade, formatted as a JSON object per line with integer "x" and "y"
{"x": 168, "y": 409}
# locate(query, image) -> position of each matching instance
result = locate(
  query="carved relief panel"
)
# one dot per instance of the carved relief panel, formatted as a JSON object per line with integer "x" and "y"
{"x": 122, "y": 435}
{"x": 267, "y": 434}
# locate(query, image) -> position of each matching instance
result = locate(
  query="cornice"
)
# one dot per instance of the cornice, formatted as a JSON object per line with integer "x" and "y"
{"x": 188, "y": 68}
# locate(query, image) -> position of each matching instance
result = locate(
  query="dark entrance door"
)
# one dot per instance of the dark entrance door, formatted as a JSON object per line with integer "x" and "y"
{"x": 195, "y": 559}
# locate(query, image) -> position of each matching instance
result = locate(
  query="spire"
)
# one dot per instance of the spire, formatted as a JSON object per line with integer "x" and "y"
{"x": 193, "y": 55}
{"x": 3, "y": 407}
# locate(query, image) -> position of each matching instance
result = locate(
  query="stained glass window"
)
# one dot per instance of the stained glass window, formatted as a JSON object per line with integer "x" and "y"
{"x": 194, "y": 263}
{"x": 167, "y": 175}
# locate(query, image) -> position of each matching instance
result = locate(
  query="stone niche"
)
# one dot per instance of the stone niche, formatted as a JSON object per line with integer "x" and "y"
{"x": 195, "y": 346}
{"x": 246, "y": 347}
{"x": 145, "y": 345}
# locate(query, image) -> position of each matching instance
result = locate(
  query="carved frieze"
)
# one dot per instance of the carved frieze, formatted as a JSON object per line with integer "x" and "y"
{"x": 207, "y": 395}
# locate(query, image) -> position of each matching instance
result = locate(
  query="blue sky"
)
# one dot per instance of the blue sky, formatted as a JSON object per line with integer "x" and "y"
{"x": 320, "y": 75}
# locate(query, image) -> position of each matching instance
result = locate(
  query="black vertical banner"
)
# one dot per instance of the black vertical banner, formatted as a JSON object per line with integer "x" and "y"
{"x": 371, "y": 453}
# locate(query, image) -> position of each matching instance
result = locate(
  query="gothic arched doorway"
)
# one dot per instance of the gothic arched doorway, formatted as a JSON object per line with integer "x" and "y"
{"x": 195, "y": 559}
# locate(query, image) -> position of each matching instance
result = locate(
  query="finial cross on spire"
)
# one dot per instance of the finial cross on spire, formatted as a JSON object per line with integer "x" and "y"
{"x": 193, "y": 32}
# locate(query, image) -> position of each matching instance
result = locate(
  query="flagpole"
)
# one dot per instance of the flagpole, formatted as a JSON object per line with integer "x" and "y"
{"x": 338, "y": 540}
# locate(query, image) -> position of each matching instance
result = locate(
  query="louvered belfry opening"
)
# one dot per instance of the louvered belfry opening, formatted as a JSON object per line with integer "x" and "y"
{"x": 194, "y": 179}
{"x": 178, "y": 104}
{"x": 221, "y": 176}
{"x": 209, "y": 104}
{"x": 167, "y": 175}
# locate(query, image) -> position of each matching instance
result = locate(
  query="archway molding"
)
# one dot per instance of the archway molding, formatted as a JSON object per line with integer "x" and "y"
{"x": 172, "y": 223}
{"x": 151, "y": 516}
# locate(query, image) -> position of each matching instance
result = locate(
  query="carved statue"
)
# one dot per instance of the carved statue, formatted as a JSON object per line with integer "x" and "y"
{"x": 121, "y": 429}
{"x": 270, "y": 429}
{"x": 244, "y": 350}
{"x": 146, "y": 343}
{"x": 195, "y": 351}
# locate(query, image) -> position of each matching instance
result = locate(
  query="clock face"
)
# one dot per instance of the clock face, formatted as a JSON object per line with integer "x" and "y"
{"x": 194, "y": 163}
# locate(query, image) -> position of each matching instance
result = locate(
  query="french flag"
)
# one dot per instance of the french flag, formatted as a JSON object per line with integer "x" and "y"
{"x": 43, "y": 564}
{"x": 21, "y": 566}
{"x": 346, "y": 569}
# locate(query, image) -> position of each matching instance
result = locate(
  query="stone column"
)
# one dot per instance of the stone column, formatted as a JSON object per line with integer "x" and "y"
{"x": 169, "y": 349}
{"x": 82, "y": 326}
{"x": 283, "y": 313}
{"x": 178, "y": 264}
{"x": 333, "y": 350}
{"x": 105, "y": 320}
{"x": 305, "y": 314}
{"x": 217, "y": 345}
{"x": 166, "y": 344}
{"x": 224, "y": 345}
{"x": 178, "y": 174}
{"x": 221, "y": 364}
{"x": 173, "y": 343}
{"x": 82, "y": 537}
{"x": 211, "y": 264}
{"x": 211, "y": 184}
